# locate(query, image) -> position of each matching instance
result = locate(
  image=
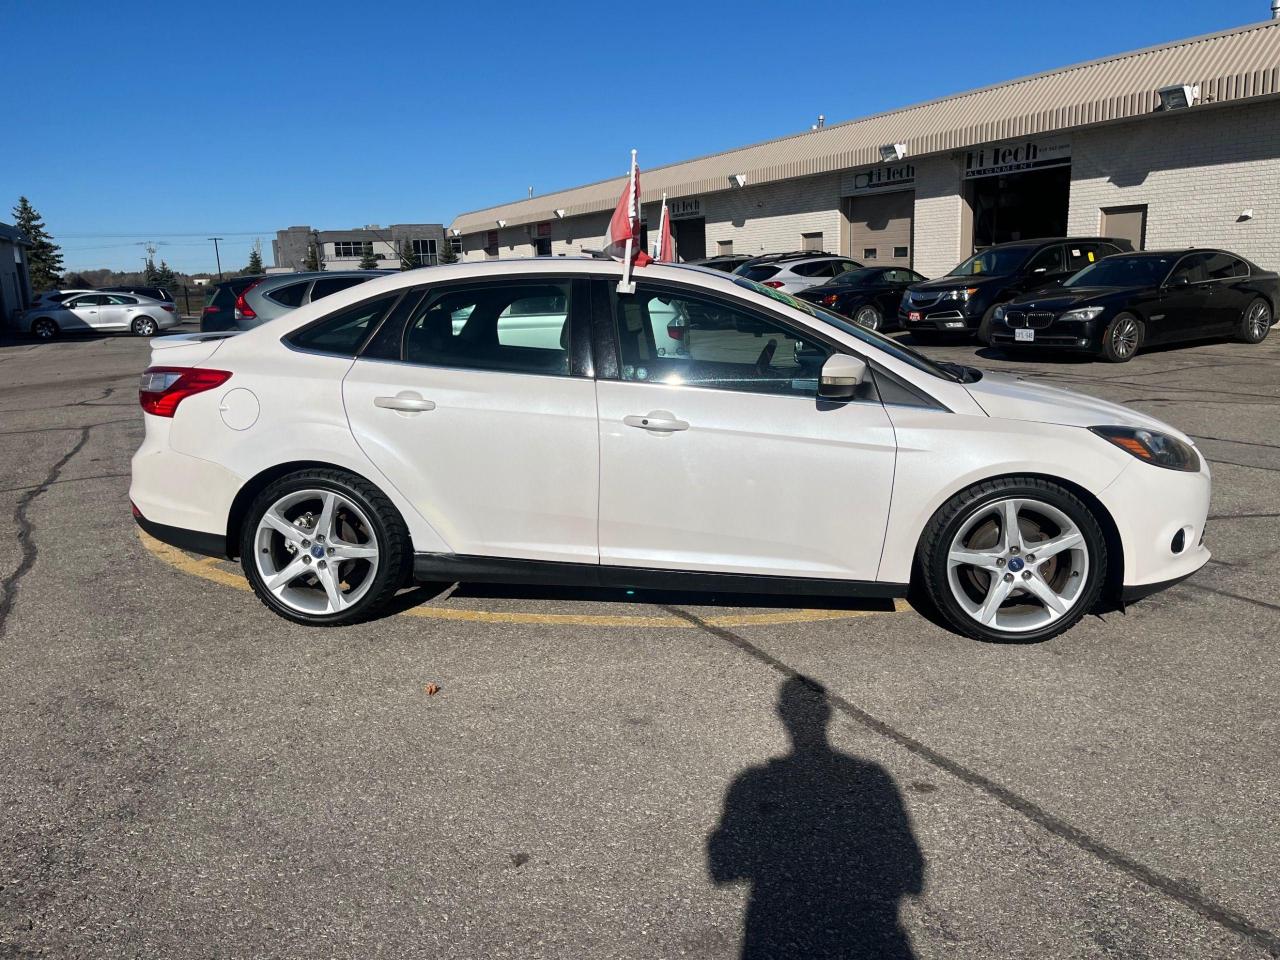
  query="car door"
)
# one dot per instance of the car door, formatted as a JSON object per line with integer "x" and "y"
{"x": 1227, "y": 299}
{"x": 889, "y": 289}
{"x": 117, "y": 312}
{"x": 476, "y": 402}
{"x": 84, "y": 312}
{"x": 1185, "y": 302}
{"x": 723, "y": 458}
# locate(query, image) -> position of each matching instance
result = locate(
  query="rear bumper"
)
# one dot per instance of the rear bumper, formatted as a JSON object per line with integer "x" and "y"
{"x": 176, "y": 492}
{"x": 196, "y": 541}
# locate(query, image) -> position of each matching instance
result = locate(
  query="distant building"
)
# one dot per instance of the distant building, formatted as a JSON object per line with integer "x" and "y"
{"x": 15, "y": 282}
{"x": 343, "y": 249}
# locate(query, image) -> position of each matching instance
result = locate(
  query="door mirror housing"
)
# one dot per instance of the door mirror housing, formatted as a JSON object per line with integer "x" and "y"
{"x": 841, "y": 377}
{"x": 1181, "y": 281}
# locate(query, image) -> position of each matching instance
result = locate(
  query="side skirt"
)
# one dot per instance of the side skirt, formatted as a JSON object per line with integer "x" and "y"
{"x": 454, "y": 568}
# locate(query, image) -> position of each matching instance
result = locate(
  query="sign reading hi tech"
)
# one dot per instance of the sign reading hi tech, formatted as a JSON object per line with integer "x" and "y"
{"x": 684, "y": 209}
{"x": 878, "y": 178}
{"x": 994, "y": 159}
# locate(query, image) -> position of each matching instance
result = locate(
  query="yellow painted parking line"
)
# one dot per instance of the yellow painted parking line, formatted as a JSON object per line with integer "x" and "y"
{"x": 211, "y": 569}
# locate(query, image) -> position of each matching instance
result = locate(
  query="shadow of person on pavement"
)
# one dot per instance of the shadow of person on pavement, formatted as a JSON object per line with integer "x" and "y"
{"x": 824, "y": 841}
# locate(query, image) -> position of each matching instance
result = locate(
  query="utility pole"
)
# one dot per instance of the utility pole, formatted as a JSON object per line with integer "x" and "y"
{"x": 217, "y": 256}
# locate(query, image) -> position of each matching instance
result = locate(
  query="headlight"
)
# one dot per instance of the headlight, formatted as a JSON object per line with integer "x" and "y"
{"x": 1083, "y": 313}
{"x": 999, "y": 313}
{"x": 1155, "y": 448}
{"x": 961, "y": 295}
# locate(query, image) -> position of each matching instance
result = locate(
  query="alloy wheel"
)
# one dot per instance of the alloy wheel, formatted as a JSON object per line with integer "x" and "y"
{"x": 1124, "y": 337}
{"x": 868, "y": 317}
{"x": 44, "y": 329}
{"x": 316, "y": 551}
{"x": 145, "y": 327}
{"x": 1258, "y": 322}
{"x": 1017, "y": 565}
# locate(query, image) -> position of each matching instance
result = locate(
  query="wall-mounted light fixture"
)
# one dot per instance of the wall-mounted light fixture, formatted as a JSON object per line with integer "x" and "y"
{"x": 738, "y": 180}
{"x": 1245, "y": 214}
{"x": 560, "y": 212}
{"x": 1178, "y": 97}
{"x": 500, "y": 223}
{"x": 456, "y": 232}
{"x": 891, "y": 152}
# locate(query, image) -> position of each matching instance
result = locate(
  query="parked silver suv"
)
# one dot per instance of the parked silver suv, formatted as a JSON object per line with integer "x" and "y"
{"x": 277, "y": 294}
{"x": 793, "y": 272}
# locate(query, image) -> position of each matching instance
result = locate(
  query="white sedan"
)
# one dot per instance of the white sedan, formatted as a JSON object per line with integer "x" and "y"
{"x": 92, "y": 312}
{"x": 523, "y": 421}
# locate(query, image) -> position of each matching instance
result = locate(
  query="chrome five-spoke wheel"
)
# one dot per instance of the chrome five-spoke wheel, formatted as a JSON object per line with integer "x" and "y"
{"x": 316, "y": 551}
{"x": 1017, "y": 565}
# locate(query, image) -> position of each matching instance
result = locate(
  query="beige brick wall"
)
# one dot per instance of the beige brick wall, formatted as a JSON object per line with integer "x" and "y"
{"x": 1196, "y": 171}
{"x": 942, "y": 234}
{"x": 772, "y": 217}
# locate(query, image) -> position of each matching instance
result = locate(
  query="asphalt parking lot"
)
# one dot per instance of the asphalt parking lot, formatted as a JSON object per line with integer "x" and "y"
{"x": 183, "y": 774}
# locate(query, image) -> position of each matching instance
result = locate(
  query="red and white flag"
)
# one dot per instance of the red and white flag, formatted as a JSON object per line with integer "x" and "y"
{"x": 666, "y": 248}
{"x": 623, "y": 240}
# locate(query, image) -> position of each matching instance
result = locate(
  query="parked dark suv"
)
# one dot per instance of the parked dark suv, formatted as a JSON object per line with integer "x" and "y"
{"x": 220, "y": 303}
{"x": 964, "y": 301}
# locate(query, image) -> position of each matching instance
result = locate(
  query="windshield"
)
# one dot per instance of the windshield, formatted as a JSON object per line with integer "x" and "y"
{"x": 1000, "y": 262}
{"x": 892, "y": 347}
{"x": 1124, "y": 272}
{"x": 856, "y": 277}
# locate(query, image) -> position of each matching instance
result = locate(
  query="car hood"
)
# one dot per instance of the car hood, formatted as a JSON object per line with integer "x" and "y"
{"x": 1012, "y": 398}
{"x": 957, "y": 283}
{"x": 1059, "y": 299}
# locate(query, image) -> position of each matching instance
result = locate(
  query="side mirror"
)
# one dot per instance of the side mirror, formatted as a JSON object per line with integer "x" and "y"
{"x": 1181, "y": 281}
{"x": 841, "y": 375}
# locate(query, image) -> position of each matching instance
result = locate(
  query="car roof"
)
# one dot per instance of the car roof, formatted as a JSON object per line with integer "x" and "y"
{"x": 279, "y": 279}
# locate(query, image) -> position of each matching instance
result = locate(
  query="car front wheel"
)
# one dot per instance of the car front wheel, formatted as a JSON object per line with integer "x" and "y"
{"x": 1122, "y": 338}
{"x": 1016, "y": 559}
{"x": 324, "y": 548}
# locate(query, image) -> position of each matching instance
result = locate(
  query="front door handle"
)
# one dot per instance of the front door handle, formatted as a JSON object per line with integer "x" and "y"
{"x": 657, "y": 421}
{"x": 405, "y": 402}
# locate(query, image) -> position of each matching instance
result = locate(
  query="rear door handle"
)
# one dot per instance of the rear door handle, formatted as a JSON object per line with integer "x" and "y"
{"x": 657, "y": 421}
{"x": 404, "y": 402}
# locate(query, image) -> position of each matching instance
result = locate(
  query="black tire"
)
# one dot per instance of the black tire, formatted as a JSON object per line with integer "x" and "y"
{"x": 1255, "y": 322}
{"x": 932, "y": 554}
{"x": 984, "y": 327}
{"x": 145, "y": 326}
{"x": 388, "y": 529}
{"x": 42, "y": 328}
{"x": 1122, "y": 339}
{"x": 868, "y": 316}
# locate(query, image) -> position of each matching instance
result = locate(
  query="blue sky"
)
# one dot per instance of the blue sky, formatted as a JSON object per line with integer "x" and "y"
{"x": 126, "y": 122}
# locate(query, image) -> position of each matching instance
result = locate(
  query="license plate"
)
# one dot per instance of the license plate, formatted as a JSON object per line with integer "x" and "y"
{"x": 914, "y": 316}
{"x": 1024, "y": 336}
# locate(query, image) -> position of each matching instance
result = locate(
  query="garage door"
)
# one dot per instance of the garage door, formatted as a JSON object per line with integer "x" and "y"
{"x": 879, "y": 228}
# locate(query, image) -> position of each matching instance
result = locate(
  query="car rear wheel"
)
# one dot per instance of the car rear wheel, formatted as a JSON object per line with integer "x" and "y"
{"x": 1122, "y": 338}
{"x": 1017, "y": 559}
{"x": 868, "y": 316}
{"x": 44, "y": 329}
{"x": 324, "y": 548}
{"x": 1256, "y": 321}
{"x": 145, "y": 327}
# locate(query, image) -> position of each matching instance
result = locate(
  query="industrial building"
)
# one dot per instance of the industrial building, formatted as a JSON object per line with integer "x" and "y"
{"x": 1170, "y": 146}
{"x": 344, "y": 249}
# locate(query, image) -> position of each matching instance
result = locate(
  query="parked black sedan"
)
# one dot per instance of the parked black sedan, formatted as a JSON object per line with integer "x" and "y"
{"x": 964, "y": 301}
{"x": 867, "y": 295}
{"x": 1125, "y": 302}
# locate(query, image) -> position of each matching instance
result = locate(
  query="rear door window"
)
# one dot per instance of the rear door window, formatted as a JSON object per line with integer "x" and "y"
{"x": 1221, "y": 266}
{"x": 342, "y": 333}
{"x": 330, "y": 285}
{"x": 1047, "y": 261}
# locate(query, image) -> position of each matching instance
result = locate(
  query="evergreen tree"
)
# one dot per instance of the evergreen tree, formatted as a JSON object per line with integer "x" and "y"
{"x": 313, "y": 258}
{"x": 368, "y": 261}
{"x": 164, "y": 275}
{"x": 149, "y": 273}
{"x": 408, "y": 258}
{"x": 446, "y": 252}
{"x": 44, "y": 257}
{"x": 255, "y": 267}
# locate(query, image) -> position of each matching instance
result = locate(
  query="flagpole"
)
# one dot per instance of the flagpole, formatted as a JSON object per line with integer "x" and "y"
{"x": 626, "y": 284}
{"x": 662, "y": 225}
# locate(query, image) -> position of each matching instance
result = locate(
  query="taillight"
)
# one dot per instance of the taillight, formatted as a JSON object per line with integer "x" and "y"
{"x": 773, "y": 283}
{"x": 243, "y": 310}
{"x": 167, "y": 306}
{"x": 161, "y": 389}
{"x": 212, "y": 309}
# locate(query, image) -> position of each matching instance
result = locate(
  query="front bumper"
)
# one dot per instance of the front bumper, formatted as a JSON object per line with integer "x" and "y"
{"x": 1151, "y": 506}
{"x": 1067, "y": 335}
{"x": 945, "y": 316}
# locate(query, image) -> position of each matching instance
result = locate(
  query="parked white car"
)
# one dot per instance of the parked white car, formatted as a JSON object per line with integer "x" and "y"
{"x": 517, "y": 420}
{"x": 99, "y": 312}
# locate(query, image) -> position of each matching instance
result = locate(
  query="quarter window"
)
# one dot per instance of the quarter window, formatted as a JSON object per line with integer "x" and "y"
{"x": 343, "y": 332}
{"x": 511, "y": 327}
{"x": 683, "y": 339}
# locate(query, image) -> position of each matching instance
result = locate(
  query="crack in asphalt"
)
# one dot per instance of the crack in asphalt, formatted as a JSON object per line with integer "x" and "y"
{"x": 29, "y": 550}
{"x": 86, "y": 426}
{"x": 50, "y": 483}
{"x": 1183, "y": 893}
